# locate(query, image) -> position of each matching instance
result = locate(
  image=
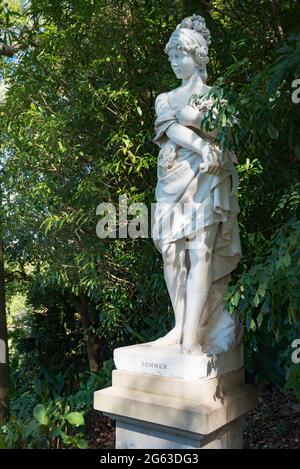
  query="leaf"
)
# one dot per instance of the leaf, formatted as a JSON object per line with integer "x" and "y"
{"x": 30, "y": 429}
{"x": 297, "y": 150}
{"x": 260, "y": 319}
{"x": 245, "y": 100}
{"x": 61, "y": 147}
{"x": 67, "y": 439}
{"x": 253, "y": 325}
{"x": 75, "y": 418}
{"x": 39, "y": 413}
{"x": 55, "y": 432}
{"x": 216, "y": 91}
{"x": 235, "y": 299}
{"x": 231, "y": 109}
{"x": 265, "y": 307}
{"x": 287, "y": 259}
{"x": 134, "y": 333}
{"x": 81, "y": 444}
{"x": 223, "y": 120}
{"x": 273, "y": 132}
{"x": 285, "y": 49}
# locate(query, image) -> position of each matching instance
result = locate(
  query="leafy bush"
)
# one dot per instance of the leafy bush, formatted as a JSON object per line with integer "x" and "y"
{"x": 77, "y": 130}
{"x": 267, "y": 298}
{"x": 43, "y": 416}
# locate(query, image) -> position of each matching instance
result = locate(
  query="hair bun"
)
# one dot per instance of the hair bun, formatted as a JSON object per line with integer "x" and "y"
{"x": 197, "y": 23}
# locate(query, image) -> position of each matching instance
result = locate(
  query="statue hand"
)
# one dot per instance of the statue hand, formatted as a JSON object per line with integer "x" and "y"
{"x": 211, "y": 162}
{"x": 188, "y": 115}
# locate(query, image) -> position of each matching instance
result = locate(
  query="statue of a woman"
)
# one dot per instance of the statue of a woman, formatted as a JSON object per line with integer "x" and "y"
{"x": 200, "y": 245}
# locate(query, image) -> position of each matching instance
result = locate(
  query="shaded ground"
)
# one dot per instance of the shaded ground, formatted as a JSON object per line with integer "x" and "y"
{"x": 274, "y": 424}
{"x": 100, "y": 431}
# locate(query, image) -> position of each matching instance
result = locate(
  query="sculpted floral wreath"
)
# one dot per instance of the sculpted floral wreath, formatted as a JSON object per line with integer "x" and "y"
{"x": 167, "y": 155}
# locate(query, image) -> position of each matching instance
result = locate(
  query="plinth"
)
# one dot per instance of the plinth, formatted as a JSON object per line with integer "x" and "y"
{"x": 163, "y": 399}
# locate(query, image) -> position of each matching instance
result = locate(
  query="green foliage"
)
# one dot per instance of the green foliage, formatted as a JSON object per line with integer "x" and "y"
{"x": 44, "y": 416}
{"x": 77, "y": 130}
{"x": 220, "y": 117}
{"x": 266, "y": 297}
{"x": 269, "y": 287}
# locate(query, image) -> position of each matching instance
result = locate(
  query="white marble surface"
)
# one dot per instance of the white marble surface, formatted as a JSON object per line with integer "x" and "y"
{"x": 178, "y": 415}
{"x": 197, "y": 207}
{"x": 142, "y": 436}
{"x": 169, "y": 361}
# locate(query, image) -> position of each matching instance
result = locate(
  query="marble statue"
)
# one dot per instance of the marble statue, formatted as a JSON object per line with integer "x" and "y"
{"x": 187, "y": 389}
{"x": 201, "y": 250}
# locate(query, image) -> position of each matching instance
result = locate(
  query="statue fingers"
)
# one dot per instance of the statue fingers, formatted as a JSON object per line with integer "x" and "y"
{"x": 212, "y": 163}
{"x": 216, "y": 164}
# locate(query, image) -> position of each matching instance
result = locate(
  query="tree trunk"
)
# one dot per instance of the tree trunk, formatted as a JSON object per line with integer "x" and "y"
{"x": 4, "y": 366}
{"x": 93, "y": 345}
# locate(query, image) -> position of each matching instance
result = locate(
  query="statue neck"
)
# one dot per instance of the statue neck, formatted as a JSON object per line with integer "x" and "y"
{"x": 194, "y": 81}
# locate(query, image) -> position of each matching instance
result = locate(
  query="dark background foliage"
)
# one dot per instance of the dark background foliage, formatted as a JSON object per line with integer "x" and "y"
{"x": 76, "y": 131}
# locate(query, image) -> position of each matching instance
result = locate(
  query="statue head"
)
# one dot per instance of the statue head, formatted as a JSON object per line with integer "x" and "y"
{"x": 188, "y": 48}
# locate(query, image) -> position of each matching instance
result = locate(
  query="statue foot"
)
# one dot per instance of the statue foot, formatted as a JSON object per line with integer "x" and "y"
{"x": 191, "y": 345}
{"x": 172, "y": 338}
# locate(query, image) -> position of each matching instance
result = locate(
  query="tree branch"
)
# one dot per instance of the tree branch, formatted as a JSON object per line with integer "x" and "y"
{"x": 16, "y": 275}
{"x": 9, "y": 51}
{"x": 22, "y": 42}
{"x": 212, "y": 7}
{"x": 234, "y": 15}
{"x": 274, "y": 7}
{"x": 240, "y": 19}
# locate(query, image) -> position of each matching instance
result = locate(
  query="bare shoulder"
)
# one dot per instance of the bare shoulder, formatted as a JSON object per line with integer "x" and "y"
{"x": 160, "y": 100}
{"x": 162, "y": 97}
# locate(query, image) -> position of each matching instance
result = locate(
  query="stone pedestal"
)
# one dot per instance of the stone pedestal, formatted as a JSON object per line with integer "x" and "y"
{"x": 161, "y": 398}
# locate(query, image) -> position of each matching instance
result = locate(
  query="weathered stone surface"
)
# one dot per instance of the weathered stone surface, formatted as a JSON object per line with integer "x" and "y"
{"x": 131, "y": 435}
{"x": 169, "y": 361}
{"x": 202, "y": 417}
{"x": 212, "y": 389}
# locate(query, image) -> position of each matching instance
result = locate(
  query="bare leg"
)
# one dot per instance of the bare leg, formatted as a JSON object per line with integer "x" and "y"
{"x": 175, "y": 275}
{"x": 198, "y": 287}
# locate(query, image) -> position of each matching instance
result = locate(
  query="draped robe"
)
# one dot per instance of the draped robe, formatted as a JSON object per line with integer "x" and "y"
{"x": 210, "y": 198}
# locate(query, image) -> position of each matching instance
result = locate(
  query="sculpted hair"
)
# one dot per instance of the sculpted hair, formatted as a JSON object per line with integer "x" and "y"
{"x": 193, "y": 36}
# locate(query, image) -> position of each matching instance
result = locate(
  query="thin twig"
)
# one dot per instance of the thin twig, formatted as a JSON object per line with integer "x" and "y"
{"x": 240, "y": 19}
{"x": 274, "y": 7}
{"x": 212, "y": 7}
{"x": 234, "y": 16}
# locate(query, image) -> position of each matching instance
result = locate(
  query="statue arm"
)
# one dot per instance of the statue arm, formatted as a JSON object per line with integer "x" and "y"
{"x": 187, "y": 138}
{"x": 190, "y": 116}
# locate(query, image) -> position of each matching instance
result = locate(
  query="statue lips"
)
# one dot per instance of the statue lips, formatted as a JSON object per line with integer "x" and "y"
{"x": 177, "y": 71}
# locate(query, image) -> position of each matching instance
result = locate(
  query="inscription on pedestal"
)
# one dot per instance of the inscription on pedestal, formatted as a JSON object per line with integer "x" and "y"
{"x": 170, "y": 361}
{"x": 160, "y": 366}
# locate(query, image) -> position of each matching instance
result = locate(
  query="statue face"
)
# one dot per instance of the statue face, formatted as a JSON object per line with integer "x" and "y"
{"x": 183, "y": 63}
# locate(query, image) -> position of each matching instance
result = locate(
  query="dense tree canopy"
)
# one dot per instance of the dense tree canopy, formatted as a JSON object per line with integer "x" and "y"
{"x": 79, "y": 80}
